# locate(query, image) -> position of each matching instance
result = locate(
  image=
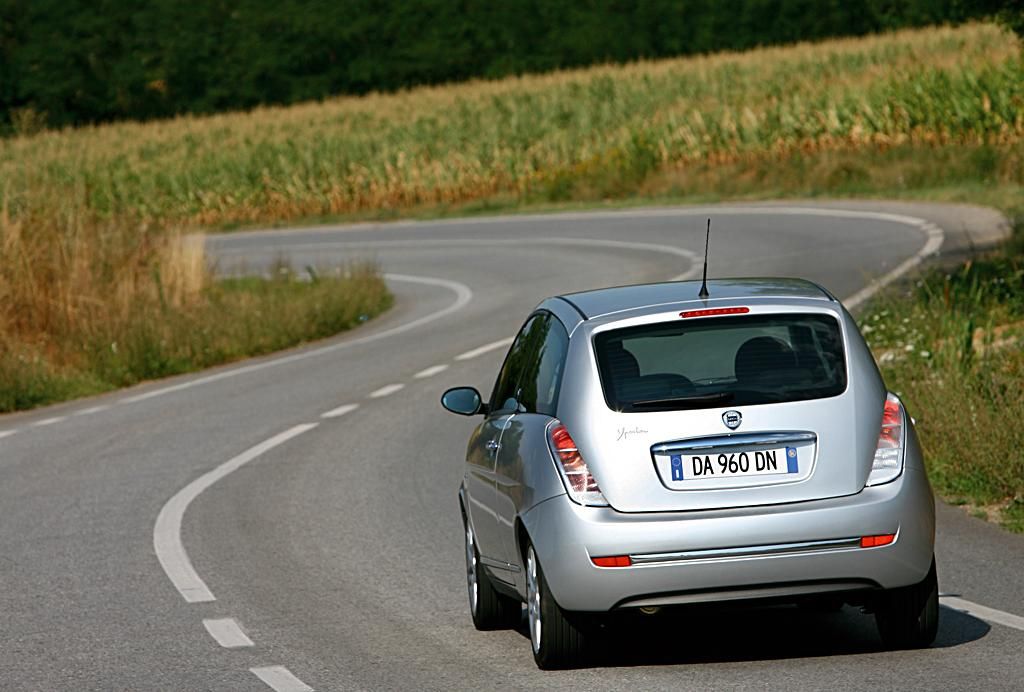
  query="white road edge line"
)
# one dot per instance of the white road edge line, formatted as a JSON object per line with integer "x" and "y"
{"x": 280, "y": 679}
{"x": 340, "y": 411}
{"x": 387, "y": 390}
{"x": 227, "y": 633}
{"x": 431, "y": 371}
{"x": 167, "y": 530}
{"x": 984, "y": 612}
{"x": 91, "y": 410}
{"x": 584, "y": 216}
{"x": 7, "y": 433}
{"x": 486, "y": 348}
{"x": 692, "y": 258}
{"x": 463, "y": 295}
{"x": 48, "y": 421}
{"x": 934, "y": 241}
{"x": 931, "y": 247}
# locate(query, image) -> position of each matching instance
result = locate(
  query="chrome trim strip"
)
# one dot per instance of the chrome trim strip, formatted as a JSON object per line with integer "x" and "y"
{"x": 499, "y": 564}
{"x": 747, "y": 551}
{"x": 756, "y": 439}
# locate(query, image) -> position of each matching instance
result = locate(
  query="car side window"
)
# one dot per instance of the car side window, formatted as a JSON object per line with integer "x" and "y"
{"x": 503, "y": 398}
{"x": 542, "y": 376}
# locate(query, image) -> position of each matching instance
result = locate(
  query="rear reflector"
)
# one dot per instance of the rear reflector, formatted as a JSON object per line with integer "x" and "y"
{"x": 714, "y": 311}
{"x": 875, "y": 541}
{"x": 615, "y": 561}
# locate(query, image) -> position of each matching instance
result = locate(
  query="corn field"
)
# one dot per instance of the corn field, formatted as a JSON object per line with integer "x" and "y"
{"x": 531, "y": 134}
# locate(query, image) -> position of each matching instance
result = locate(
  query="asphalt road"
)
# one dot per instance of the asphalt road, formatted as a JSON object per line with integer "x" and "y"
{"x": 333, "y": 558}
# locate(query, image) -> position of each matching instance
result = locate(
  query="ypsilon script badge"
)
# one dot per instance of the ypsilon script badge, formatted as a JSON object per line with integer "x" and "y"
{"x": 732, "y": 419}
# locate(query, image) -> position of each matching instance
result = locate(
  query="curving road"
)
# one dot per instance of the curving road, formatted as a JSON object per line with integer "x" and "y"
{"x": 291, "y": 522}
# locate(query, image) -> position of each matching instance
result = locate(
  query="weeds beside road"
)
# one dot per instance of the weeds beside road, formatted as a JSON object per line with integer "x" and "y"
{"x": 93, "y": 307}
{"x": 952, "y": 345}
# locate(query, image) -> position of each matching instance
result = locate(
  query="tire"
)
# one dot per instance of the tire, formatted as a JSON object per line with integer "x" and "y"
{"x": 908, "y": 617}
{"x": 557, "y": 642}
{"x": 489, "y": 609}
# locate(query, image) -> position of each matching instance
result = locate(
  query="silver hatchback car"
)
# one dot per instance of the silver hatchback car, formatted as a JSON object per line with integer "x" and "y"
{"x": 645, "y": 448}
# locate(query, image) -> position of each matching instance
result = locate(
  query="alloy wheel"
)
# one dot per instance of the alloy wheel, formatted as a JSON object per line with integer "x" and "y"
{"x": 533, "y": 599}
{"x": 471, "y": 578}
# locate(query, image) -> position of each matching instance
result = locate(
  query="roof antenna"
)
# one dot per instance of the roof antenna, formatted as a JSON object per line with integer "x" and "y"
{"x": 704, "y": 286}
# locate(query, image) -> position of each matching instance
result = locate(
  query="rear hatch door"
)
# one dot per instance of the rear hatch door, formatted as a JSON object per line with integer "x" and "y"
{"x": 726, "y": 411}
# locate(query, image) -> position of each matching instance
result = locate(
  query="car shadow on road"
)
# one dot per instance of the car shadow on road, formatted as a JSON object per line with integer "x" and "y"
{"x": 715, "y": 635}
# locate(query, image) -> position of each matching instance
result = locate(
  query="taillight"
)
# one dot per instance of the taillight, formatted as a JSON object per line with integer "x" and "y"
{"x": 579, "y": 483}
{"x": 888, "y": 462}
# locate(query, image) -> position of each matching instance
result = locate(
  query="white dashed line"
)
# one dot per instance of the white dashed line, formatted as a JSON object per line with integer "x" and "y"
{"x": 91, "y": 410}
{"x": 387, "y": 390}
{"x": 48, "y": 421}
{"x": 431, "y": 371}
{"x": 7, "y": 433}
{"x": 486, "y": 348}
{"x": 340, "y": 411}
{"x": 227, "y": 633}
{"x": 280, "y": 679}
{"x": 167, "y": 531}
{"x": 984, "y": 612}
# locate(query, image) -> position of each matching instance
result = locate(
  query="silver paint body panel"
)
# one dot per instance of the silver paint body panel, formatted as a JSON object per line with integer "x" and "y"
{"x": 740, "y": 539}
{"x": 566, "y": 535}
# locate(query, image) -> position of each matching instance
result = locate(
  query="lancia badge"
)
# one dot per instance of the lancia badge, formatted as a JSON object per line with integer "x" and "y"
{"x": 732, "y": 419}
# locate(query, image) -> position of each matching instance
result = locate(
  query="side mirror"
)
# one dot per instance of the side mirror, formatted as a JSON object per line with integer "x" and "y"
{"x": 465, "y": 401}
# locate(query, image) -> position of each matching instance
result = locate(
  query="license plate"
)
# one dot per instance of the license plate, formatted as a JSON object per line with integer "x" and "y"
{"x": 761, "y": 462}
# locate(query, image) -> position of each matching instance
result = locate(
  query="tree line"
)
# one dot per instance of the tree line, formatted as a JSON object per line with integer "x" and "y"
{"x": 69, "y": 62}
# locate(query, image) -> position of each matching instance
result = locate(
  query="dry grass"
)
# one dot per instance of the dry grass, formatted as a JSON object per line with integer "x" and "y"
{"x": 90, "y": 304}
{"x": 62, "y": 280}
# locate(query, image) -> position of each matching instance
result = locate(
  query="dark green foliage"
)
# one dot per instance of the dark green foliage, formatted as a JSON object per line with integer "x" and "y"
{"x": 77, "y": 61}
{"x": 1009, "y": 13}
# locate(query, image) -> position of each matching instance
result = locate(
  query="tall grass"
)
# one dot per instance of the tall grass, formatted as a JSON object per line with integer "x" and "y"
{"x": 953, "y": 346}
{"x": 89, "y": 304}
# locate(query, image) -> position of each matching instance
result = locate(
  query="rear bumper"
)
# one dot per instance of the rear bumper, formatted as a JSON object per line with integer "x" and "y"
{"x": 775, "y": 551}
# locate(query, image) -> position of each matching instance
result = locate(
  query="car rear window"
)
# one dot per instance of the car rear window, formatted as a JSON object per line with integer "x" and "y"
{"x": 721, "y": 361}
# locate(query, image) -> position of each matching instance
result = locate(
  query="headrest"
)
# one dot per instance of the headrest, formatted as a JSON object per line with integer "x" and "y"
{"x": 622, "y": 362}
{"x": 763, "y": 354}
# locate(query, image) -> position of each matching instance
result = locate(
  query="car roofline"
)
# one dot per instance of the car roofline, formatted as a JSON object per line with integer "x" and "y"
{"x": 585, "y": 316}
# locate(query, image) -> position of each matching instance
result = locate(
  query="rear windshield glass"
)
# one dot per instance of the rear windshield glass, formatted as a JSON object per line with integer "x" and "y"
{"x": 721, "y": 361}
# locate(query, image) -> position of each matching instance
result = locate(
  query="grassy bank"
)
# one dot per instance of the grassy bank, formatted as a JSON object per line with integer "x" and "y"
{"x": 952, "y": 345}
